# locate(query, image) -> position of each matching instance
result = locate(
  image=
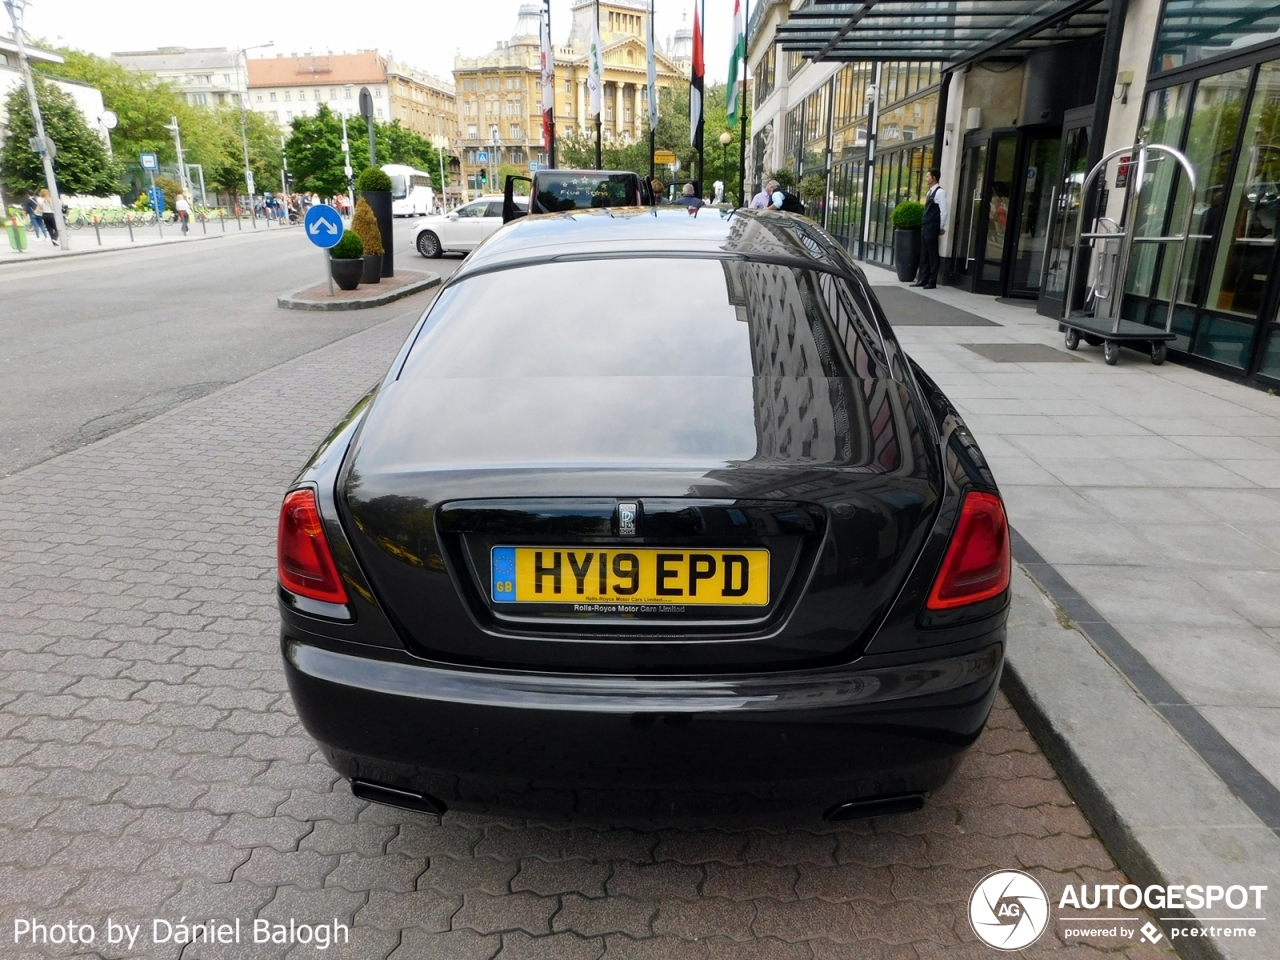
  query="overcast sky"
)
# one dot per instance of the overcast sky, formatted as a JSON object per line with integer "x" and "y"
{"x": 425, "y": 33}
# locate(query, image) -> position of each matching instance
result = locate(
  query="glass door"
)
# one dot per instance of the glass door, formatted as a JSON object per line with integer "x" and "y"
{"x": 968, "y": 209}
{"x": 1029, "y": 243}
{"x": 999, "y": 211}
{"x": 1065, "y": 204}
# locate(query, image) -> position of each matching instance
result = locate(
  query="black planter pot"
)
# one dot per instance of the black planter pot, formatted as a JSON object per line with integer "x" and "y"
{"x": 380, "y": 202}
{"x": 346, "y": 273}
{"x": 372, "y": 272}
{"x": 906, "y": 253}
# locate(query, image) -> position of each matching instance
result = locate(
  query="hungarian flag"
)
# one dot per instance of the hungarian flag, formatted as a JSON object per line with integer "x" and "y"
{"x": 595, "y": 67}
{"x": 548, "y": 77}
{"x": 739, "y": 55}
{"x": 695, "y": 82}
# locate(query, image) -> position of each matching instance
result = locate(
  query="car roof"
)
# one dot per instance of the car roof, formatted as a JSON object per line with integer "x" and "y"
{"x": 660, "y": 231}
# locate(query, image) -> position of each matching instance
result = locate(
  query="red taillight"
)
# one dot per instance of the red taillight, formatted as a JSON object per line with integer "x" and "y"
{"x": 976, "y": 566}
{"x": 304, "y": 562}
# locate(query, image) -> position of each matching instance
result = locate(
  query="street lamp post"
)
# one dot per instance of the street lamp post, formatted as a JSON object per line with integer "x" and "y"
{"x": 243, "y": 94}
{"x": 726, "y": 138}
{"x": 183, "y": 181}
{"x": 16, "y": 9}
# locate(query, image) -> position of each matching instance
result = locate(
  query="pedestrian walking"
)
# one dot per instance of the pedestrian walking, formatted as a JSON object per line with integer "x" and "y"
{"x": 32, "y": 208}
{"x": 184, "y": 212}
{"x": 932, "y": 227}
{"x": 689, "y": 197}
{"x": 46, "y": 214}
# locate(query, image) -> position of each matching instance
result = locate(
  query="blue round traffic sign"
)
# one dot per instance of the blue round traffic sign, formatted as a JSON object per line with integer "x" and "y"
{"x": 323, "y": 226}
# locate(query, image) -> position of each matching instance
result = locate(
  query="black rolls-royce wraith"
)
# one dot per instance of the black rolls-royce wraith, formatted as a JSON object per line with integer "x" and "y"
{"x": 651, "y": 516}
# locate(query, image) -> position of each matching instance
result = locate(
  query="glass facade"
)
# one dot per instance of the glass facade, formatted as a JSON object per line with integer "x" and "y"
{"x": 1193, "y": 30}
{"x": 1228, "y": 125}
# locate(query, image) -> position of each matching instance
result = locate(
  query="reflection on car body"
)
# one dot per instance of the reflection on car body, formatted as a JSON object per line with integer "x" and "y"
{"x": 782, "y": 561}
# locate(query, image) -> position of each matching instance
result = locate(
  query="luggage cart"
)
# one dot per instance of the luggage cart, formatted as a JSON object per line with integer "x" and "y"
{"x": 1100, "y": 323}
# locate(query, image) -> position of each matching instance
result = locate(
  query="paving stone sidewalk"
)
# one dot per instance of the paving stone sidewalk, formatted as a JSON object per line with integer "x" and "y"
{"x": 1155, "y": 491}
{"x": 151, "y": 764}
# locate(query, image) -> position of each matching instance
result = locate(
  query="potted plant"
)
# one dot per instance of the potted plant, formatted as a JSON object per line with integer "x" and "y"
{"x": 346, "y": 260}
{"x": 366, "y": 226}
{"x": 906, "y": 238}
{"x": 375, "y": 189}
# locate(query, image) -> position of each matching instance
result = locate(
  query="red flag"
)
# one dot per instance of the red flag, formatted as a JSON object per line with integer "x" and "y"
{"x": 696, "y": 83}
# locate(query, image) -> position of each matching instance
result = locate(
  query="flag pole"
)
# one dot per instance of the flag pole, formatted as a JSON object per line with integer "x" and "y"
{"x": 551, "y": 66}
{"x": 742, "y": 104}
{"x": 653, "y": 133}
{"x": 702, "y": 115}
{"x": 600, "y": 80}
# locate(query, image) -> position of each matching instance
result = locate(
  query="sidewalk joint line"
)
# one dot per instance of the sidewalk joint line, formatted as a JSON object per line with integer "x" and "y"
{"x": 1242, "y": 778}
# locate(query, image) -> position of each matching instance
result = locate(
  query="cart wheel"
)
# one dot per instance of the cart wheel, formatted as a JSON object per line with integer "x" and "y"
{"x": 1072, "y": 338}
{"x": 1093, "y": 341}
{"x": 1111, "y": 352}
{"x": 1158, "y": 352}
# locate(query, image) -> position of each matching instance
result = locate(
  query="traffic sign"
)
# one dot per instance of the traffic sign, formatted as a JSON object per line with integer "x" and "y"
{"x": 366, "y": 103}
{"x": 149, "y": 161}
{"x": 482, "y": 157}
{"x": 533, "y": 166}
{"x": 323, "y": 226}
{"x": 156, "y": 196}
{"x": 664, "y": 156}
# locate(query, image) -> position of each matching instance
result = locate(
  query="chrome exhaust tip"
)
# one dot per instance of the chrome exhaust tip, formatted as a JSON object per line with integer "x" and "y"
{"x": 398, "y": 797}
{"x": 876, "y": 807}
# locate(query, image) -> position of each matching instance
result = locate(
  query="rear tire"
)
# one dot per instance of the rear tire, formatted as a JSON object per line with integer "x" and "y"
{"x": 429, "y": 245}
{"x": 1111, "y": 352}
{"x": 1072, "y": 339}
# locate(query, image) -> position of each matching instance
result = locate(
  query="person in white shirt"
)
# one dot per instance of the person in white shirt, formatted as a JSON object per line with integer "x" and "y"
{"x": 932, "y": 228}
{"x": 183, "y": 208}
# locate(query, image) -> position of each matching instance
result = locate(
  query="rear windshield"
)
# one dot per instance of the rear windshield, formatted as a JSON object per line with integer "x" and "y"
{"x": 560, "y": 192}
{"x": 645, "y": 318}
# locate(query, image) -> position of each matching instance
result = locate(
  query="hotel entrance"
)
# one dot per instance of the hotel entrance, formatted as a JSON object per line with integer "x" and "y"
{"x": 1003, "y": 210}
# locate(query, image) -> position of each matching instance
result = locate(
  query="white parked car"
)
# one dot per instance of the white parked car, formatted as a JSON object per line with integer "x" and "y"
{"x": 461, "y": 229}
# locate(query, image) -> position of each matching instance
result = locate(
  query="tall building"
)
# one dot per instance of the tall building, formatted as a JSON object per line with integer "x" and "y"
{"x": 284, "y": 87}
{"x": 499, "y": 94}
{"x": 422, "y": 102}
{"x": 206, "y": 76}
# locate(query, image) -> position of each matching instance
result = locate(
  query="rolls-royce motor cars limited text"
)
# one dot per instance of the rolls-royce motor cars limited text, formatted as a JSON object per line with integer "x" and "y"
{"x": 651, "y": 515}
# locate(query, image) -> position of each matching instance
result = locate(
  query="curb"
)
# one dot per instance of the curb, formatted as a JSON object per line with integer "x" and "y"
{"x": 291, "y": 302}
{"x": 1163, "y": 814}
{"x": 42, "y": 257}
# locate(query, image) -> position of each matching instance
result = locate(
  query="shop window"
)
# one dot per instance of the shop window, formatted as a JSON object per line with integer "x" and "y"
{"x": 1165, "y": 115}
{"x": 1248, "y": 227}
{"x": 1225, "y": 341}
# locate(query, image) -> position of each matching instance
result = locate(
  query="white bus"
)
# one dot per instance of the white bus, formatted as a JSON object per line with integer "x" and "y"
{"x": 411, "y": 193}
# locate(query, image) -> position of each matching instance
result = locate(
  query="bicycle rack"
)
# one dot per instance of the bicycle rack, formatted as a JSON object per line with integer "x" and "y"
{"x": 1100, "y": 321}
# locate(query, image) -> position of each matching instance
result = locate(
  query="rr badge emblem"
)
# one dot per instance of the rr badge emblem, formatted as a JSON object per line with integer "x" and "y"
{"x": 627, "y": 515}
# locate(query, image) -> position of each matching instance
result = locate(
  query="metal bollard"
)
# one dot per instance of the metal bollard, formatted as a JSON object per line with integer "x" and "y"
{"x": 96, "y": 230}
{"x": 204, "y": 224}
{"x": 222, "y": 219}
{"x": 129, "y": 223}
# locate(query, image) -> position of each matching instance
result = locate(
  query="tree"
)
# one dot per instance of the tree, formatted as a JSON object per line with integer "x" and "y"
{"x": 397, "y": 144}
{"x": 314, "y": 151}
{"x": 82, "y": 165}
{"x": 576, "y": 149}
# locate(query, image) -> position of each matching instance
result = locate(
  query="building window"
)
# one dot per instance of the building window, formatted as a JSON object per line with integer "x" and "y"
{"x": 287, "y": 96}
{"x": 764, "y": 74}
{"x": 226, "y": 78}
{"x": 275, "y": 114}
{"x": 259, "y": 98}
{"x": 377, "y": 93}
{"x": 515, "y": 132}
{"x": 378, "y": 113}
{"x": 288, "y": 114}
{"x": 333, "y": 93}
{"x": 1191, "y": 30}
{"x": 346, "y": 93}
{"x": 272, "y": 95}
{"x": 472, "y": 131}
{"x": 302, "y": 94}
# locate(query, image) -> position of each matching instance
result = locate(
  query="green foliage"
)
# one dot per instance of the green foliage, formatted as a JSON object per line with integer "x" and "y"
{"x": 371, "y": 178}
{"x": 170, "y": 188}
{"x": 397, "y": 144}
{"x": 575, "y": 149}
{"x": 348, "y": 247}
{"x": 82, "y": 165}
{"x": 498, "y": 179}
{"x": 365, "y": 224}
{"x": 210, "y": 137}
{"x": 314, "y": 150}
{"x": 812, "y": 186}
{"x": 786, "y": 177}
{"x": 908, "y": 215}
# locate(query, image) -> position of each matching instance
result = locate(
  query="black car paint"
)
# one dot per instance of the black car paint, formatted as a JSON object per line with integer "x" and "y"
{"x": 657, "y": 725}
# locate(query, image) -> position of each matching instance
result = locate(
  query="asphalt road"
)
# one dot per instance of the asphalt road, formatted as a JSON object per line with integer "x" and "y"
{"x": 92, "y": 345}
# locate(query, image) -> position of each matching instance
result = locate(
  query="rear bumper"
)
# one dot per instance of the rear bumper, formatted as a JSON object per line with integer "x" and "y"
{"x": 604, "y": 746}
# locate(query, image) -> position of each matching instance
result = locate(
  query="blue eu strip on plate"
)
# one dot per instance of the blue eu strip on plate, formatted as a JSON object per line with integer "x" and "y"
{"x": 504, "y": 574}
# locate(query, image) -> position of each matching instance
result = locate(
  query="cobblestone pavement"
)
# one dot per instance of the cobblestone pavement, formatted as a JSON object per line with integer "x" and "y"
{"x": 151, "y": 765}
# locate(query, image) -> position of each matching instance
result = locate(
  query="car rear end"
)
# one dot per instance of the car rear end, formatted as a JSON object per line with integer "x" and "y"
{"x": 731, "y": 553}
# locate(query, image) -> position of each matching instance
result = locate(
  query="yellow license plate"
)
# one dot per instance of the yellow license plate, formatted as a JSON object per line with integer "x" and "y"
{"x": 637, "y": 575}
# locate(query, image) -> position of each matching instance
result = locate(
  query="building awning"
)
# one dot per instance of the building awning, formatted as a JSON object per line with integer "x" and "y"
{"x": 959, "y": 32}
